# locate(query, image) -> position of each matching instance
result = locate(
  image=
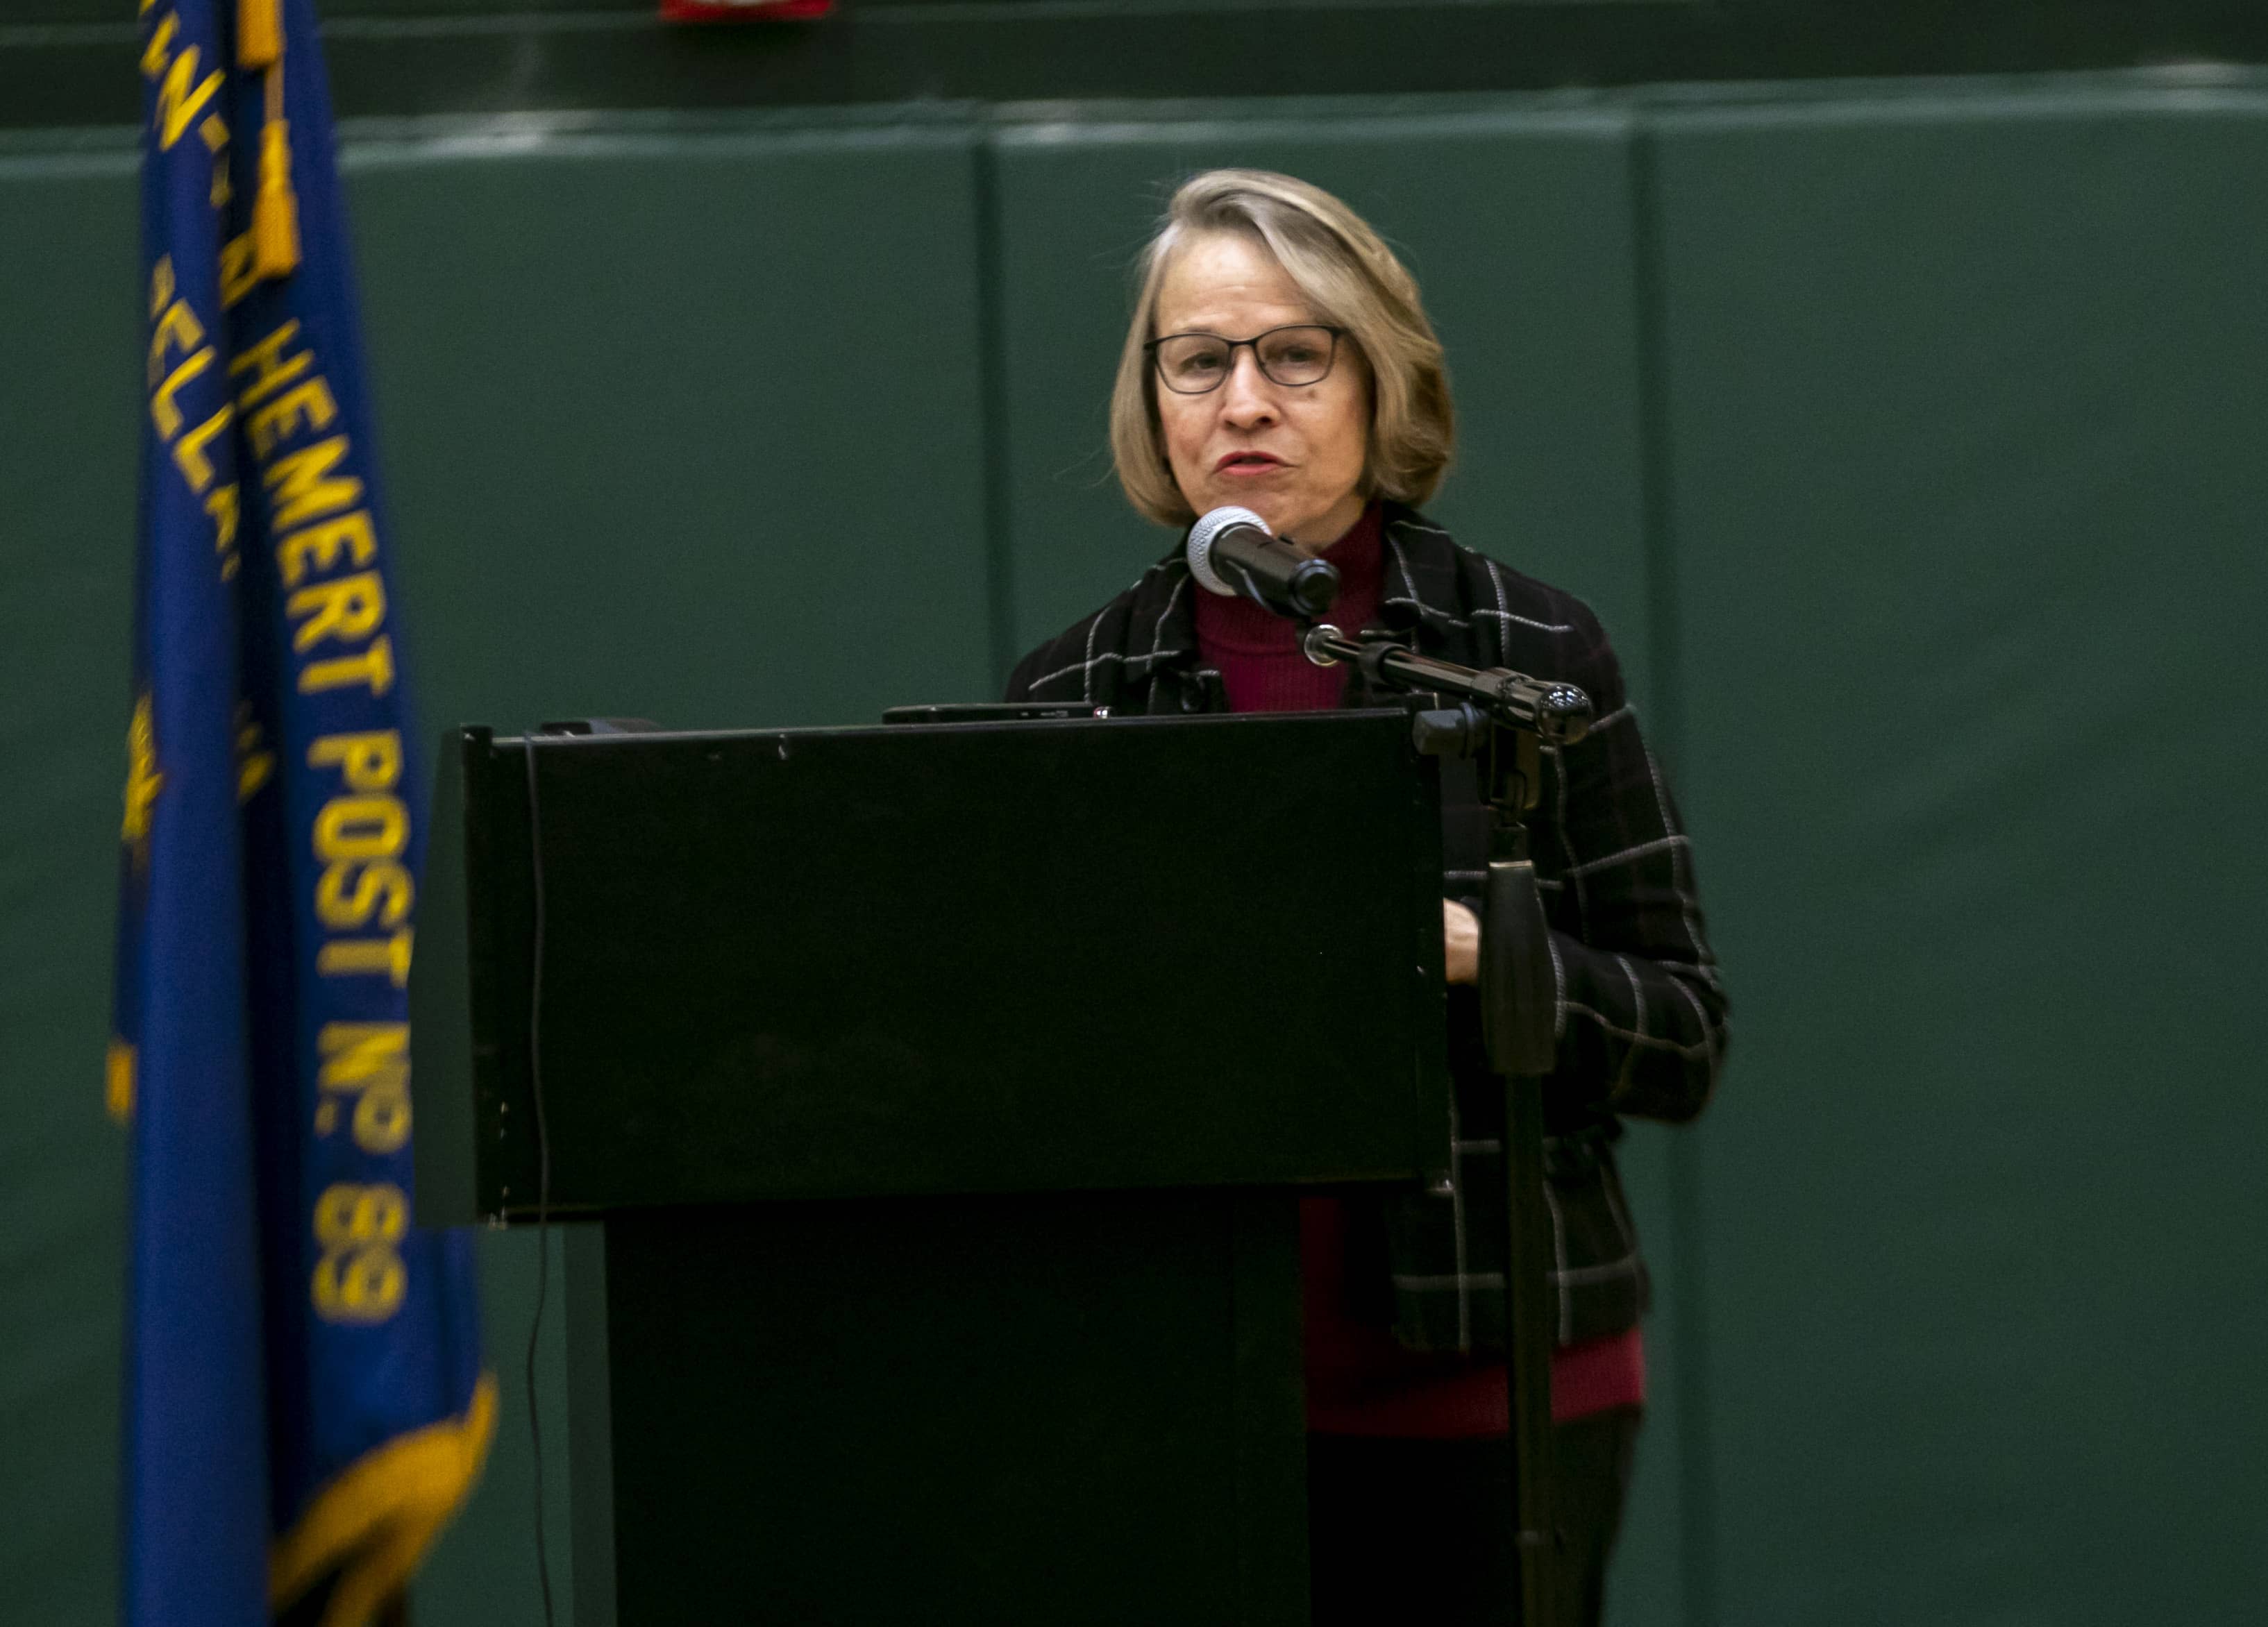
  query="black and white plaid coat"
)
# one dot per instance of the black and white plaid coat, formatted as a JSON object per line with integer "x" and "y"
{"x": 1640, "y": 1012}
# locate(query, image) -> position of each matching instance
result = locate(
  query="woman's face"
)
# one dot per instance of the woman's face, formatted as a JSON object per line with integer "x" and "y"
{"x": 1292, "y": 454}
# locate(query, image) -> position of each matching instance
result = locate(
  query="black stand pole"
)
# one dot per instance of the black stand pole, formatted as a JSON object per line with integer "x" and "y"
{"x": 1500, "y": 719}
{"x": 1518, "y": 997}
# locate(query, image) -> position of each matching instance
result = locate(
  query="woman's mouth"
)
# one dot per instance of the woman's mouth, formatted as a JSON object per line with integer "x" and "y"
{"x": 1247, "y": 463}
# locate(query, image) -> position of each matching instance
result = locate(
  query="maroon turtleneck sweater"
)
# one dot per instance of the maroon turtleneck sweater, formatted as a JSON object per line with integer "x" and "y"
{"x": 1258, "y": 651}
{"x": 1359, "y": 1382}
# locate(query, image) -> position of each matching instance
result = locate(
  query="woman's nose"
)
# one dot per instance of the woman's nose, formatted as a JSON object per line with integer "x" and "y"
{"x": 1246, "y": 398}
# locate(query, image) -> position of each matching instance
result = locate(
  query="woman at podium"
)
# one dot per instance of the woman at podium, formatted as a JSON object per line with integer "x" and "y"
{"x": 1279, "y": 358}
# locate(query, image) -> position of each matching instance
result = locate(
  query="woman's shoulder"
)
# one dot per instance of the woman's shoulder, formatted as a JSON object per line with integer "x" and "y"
{"x": 1467, "y": 596}
{"x": 1087, "y": 660}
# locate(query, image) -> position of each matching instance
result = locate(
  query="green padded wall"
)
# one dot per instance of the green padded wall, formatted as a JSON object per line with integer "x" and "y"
{"x": 1967, "y": 430}
{"x": 682, "y": 425}
{"x": 1912, "y": 447}
{"x": 69, "y": 397}
{"x": 1517, "y": 224}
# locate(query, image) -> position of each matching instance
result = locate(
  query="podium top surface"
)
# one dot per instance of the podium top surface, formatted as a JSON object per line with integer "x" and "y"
{"x": 917, "y": 961}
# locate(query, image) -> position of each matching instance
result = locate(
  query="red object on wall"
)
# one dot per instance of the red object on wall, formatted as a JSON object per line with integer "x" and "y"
{"x": 744, "y": 11}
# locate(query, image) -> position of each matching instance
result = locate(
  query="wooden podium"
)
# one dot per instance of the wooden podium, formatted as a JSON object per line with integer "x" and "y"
{"x": 944, "y": 1094}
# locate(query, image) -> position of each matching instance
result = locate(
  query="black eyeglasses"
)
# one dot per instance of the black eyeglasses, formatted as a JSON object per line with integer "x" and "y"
{"x": 1197, "y": 363}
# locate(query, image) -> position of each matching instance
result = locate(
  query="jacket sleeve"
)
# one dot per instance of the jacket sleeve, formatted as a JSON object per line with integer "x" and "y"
{"x": 1640, "y": 1011}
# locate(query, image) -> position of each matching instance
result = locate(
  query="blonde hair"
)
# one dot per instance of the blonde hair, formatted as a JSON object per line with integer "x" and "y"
{"x": 1353, "y": 281}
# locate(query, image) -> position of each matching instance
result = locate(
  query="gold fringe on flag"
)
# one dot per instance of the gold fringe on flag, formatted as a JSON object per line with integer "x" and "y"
{"x": 258, "y": 33}
{"x": 118, "y": 1080}
{"x": 275, "y": 210}
{"x": 369, "y": 1528}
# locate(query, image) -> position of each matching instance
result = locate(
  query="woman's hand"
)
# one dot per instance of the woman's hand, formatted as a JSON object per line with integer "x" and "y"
{"x": 1460, "y": 942}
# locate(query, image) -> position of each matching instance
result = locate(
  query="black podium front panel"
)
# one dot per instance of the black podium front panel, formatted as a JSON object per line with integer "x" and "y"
{"x": 963, "y": 1412}
{"x": 971, "y": 958}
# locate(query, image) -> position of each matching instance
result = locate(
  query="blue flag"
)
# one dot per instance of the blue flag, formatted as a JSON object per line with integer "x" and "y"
{"x": 305, "y": 1403}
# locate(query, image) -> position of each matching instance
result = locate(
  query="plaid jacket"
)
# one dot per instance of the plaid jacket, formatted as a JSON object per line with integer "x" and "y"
{"x": 1640, "y": 1013}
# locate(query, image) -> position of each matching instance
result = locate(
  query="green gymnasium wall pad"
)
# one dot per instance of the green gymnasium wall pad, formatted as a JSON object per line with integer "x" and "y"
{"x": 682, "y": 427}
{"x": 1967, "y": 433}
{"x": 69, "y": 392}
{"x": 1910, "y": 448}
{"x": 1518, "y": 226}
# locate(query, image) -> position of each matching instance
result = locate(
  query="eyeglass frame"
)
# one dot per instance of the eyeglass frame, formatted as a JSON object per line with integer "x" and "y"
{"x": 1150, "y": 348}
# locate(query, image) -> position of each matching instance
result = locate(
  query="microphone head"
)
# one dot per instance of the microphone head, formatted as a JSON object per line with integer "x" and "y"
{"x": 1206, "y": 532}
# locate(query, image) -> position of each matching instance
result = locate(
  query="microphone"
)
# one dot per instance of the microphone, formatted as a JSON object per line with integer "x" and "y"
{"x": 1231, "y": 551}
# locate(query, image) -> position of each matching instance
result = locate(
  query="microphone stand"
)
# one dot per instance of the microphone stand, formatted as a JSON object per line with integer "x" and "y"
{"x": 1500, "y": 720}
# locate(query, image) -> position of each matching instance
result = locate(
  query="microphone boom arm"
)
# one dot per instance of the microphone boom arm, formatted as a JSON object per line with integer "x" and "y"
{"x": 1556, "y": 714}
